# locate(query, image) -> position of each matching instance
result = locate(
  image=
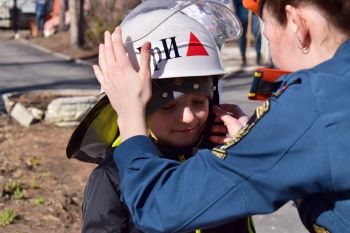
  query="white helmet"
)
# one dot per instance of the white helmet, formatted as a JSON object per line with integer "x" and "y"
{"x": 185, "y": 35}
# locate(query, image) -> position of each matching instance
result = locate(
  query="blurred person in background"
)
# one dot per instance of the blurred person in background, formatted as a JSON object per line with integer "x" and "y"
{"x": 243, "y": 15}
{"x": 40, "y": 14}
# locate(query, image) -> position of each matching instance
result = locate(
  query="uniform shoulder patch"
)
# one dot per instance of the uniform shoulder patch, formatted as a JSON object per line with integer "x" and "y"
{"x": 260, "y": 111}
{"x": 284, "y": 87}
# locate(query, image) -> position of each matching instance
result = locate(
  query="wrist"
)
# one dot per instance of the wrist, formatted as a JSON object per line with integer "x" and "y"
{"x": 132, "y": 124}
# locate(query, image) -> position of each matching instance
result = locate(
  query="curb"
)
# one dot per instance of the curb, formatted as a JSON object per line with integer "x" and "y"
{"x": 59, "y": 55}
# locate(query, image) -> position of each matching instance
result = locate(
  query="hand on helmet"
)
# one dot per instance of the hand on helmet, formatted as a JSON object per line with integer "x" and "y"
{"x": 127, "y": 90}
{"x": 232, "y": 117}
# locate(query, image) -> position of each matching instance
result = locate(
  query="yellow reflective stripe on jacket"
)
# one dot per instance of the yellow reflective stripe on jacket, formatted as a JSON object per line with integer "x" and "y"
{"x": 250, "y": 225}
{"x": 117, "y": 141}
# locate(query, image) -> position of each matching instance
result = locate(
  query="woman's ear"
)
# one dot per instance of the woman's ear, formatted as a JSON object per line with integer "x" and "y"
{"x": 300, "y": 26}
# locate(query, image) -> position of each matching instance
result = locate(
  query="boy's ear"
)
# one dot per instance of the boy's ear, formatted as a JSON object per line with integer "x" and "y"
{"x": 300, "y": 26}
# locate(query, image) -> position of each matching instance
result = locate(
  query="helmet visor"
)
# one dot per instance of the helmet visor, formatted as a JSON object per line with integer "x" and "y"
{"x": 220, "y": 21}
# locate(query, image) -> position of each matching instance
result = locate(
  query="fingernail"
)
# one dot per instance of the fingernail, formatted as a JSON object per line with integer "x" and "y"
{"x": 148, "y": 46}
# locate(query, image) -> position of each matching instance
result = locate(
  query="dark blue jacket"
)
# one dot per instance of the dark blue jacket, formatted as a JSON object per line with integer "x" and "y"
{"x": 297, "y": 145}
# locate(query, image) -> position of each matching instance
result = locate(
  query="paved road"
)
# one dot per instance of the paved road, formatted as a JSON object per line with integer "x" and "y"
{"x": 23, "y": 68}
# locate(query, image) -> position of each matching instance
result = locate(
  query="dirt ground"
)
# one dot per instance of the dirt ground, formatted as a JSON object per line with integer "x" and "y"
{"x": 38, "y": 182}
{"x": 40, "y": 189}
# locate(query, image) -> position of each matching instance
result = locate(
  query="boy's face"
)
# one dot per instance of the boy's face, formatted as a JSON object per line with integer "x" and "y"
{"x": 180, "y": 122}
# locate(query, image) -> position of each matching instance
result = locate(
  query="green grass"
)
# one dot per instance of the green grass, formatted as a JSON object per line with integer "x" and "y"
{"x": 38, "y": 201}
{"x": 18, "y": 194}
{"x": 14, "y": 189}
{"x": 12, "y": 186}
{"x": 7, "y": 216}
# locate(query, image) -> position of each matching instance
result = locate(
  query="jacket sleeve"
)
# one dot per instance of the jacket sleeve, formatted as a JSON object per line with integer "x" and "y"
{"x": 281, "y": 157}
{"x": 102, "y": 209}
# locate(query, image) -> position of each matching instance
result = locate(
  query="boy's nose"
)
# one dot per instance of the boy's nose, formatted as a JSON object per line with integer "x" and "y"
{"x": 188, "y": 115}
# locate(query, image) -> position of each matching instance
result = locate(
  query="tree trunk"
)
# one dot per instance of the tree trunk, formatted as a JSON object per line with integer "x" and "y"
{"x": 77, "y": 22}
{"x": 127, "y": 5}
{"x": 61, "y": 26}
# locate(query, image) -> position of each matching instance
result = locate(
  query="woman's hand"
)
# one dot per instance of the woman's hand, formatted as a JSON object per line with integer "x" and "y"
{"x": 127, "y": 90}
{"x": 232, "y": 117}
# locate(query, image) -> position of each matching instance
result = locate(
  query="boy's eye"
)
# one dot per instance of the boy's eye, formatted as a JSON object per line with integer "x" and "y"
{"x": 199, "y": 101}
{"x": 168, "y": 106}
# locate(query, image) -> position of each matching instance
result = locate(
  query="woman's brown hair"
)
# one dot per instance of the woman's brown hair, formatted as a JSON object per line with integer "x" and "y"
{"x": 336, "y": 11}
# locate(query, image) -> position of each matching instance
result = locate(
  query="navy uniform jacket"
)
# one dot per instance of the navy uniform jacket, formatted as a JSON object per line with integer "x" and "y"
{"x": 296, "y": 146}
